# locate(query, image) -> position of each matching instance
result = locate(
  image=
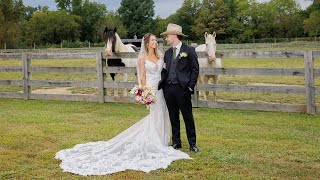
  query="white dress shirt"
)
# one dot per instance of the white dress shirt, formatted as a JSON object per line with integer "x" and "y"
{"x": 178, "y": 46}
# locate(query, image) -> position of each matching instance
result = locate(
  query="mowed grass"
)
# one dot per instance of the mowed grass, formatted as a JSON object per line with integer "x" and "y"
{"x": 225, "y": 79}
{"x": 234, "y": 144}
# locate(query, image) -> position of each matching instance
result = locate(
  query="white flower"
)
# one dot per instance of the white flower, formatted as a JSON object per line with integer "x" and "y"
{"x": 183, "y": 54}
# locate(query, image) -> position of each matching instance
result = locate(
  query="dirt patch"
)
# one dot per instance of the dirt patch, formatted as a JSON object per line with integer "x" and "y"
{"x": 60, "y": 90}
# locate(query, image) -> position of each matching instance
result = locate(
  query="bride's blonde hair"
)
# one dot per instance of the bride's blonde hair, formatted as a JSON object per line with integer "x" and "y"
{"x": 146, "y": 43}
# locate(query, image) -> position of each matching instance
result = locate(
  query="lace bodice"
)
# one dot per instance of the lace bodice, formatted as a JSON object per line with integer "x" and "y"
{"x": 153, "y": 73}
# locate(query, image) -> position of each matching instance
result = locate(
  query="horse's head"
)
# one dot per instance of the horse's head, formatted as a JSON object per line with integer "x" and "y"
{"x": 109, "y": 36}
{"x": 211, "y": 45}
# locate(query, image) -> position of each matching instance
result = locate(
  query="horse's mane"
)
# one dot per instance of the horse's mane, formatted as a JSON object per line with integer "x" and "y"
{"x": 118, "y": 43}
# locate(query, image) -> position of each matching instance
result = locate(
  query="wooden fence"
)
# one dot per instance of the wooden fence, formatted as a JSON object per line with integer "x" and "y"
{"x": 310, "y": 90}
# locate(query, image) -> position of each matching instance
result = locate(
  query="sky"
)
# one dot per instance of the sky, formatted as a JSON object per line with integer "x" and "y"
{"x": 163, "y": 8}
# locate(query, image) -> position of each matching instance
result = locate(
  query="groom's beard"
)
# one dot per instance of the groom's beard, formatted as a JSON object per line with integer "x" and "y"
{"x": 169, "y": 43}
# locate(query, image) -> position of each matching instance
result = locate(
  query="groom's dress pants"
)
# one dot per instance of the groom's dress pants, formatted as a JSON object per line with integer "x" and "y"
{"x": 180, "y": 99}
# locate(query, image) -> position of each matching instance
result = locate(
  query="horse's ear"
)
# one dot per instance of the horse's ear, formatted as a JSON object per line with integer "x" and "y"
{"x": 115, "y": 30}
{"x": 214, "y": 34}
{"x": 106, "y": 29}
{"x": 205, "y": 34}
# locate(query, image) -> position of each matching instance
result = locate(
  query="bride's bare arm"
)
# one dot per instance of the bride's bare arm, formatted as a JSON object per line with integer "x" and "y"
{"x": 142, "y": 70}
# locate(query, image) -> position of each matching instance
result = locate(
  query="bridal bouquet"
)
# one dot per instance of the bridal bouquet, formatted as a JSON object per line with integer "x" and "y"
{"x": 143, "y": 95}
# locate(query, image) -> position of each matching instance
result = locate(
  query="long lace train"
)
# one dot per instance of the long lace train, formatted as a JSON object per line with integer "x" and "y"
{"x": 142, "y": 147}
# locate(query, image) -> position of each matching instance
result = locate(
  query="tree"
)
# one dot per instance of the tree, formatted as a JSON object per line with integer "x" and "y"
{"x": 312, "y": 24}
{"x": 314, "y": 6}
{"x": 64, "y": 5}
{"x": 91, "y": 13}
{"x": 12, "y": 12}
{"x": 28, "y": 11}
{"x": 214, "y": 15}
{"x": 7, "y": 9}
{"x": 287, "y": 20}
{"x": 186, "y": 17}
{"x": 238, "y": 29}
{"x": 137, "y": 16}
{"x": 72, "y": 6}
{"x": 2, "y": 29}
{"x": 52, "y": 27}
{"x": 160, "y": 25}
{"x": 261, "y": 24}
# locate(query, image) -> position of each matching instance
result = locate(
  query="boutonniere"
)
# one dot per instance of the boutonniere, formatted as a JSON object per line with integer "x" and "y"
{"x": 183, "y": 54}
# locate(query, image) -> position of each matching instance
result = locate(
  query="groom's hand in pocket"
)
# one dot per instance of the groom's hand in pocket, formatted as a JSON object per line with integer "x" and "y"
{"x": 190, "y": 90}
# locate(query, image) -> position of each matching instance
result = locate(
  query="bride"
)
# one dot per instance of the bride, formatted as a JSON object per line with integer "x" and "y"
{"x": 143, "y": 146}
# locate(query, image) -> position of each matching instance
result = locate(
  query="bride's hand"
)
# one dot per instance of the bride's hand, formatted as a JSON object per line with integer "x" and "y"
{"x": 164, "y": 66}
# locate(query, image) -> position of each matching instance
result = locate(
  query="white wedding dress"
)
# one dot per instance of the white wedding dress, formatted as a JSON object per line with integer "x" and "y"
{"x": 142, "y": 147}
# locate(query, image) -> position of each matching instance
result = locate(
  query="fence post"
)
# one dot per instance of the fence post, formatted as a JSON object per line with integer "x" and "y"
{"x": 26, "y": 61}
{"x": 100, "y": 77}
{"x": 161, "y": 46}
{"x": 309, "y": 82}
{"x": 196, "y": 97}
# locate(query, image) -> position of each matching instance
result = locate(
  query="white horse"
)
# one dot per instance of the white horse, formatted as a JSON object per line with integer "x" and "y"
{"x": 113, "y": 44}
{"x": 211, "y": 61}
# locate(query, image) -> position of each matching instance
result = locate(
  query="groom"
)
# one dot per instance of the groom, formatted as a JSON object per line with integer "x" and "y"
{"x": 178, "y": 79}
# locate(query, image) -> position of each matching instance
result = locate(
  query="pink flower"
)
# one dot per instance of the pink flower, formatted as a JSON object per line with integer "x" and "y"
{"x": 143, "y": 95}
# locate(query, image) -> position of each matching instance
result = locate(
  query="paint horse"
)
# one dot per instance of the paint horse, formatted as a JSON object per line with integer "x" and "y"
{"x": 113, "y": 44}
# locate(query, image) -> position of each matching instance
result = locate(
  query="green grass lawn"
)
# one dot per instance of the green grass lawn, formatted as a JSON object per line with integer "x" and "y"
{"x": 225, "y": 79}
{"x": 234, "y": 144}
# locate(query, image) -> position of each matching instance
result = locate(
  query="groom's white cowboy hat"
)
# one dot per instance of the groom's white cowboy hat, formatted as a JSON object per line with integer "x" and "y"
{"x": 174, "y": 29}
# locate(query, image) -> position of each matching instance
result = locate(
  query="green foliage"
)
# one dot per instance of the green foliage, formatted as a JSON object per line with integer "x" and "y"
{"x": 11, "y": 15}
{"x": 91, "y": 16}
{"x": 52, "y": 27}
{"x": 214, "y": 15}
{"x": 239, "y": 30}
{"x": 137, "y": 16}
{"x": 287, "y": 21}
{"x": 186, "y": 16}
{"x": 312, "y": 24}
{"x": 314, "y": 6}
{"x": 2, "y": 29}
{"x": 64, "y": 5}
{"x": 160, "y": 25}
{"x": 7, "y": 9}
{"x": 28, "y": 11}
